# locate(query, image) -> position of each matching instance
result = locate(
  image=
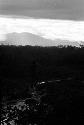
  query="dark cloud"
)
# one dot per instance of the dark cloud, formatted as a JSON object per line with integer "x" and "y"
{"x": 67, "y": 9}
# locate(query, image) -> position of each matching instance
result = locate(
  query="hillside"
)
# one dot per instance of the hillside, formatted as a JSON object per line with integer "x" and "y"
{"x": 58, "y": 74}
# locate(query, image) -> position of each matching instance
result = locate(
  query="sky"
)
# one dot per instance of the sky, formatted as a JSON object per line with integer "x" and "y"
{"x": 56, "y": 9}
{"x": 50, "y": 19}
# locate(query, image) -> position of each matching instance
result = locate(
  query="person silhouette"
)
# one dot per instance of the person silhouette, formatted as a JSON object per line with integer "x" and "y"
{"x": 36, "y": 68}
{"x": 34, "y": 75}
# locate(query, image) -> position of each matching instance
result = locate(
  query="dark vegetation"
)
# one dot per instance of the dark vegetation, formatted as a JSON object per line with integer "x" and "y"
{"x": 23, "y": 66}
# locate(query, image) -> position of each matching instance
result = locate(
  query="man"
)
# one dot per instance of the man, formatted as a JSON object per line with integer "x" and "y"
{"x": 34, "y": 72}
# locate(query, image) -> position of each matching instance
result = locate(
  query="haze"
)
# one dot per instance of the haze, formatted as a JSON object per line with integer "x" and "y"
{"x": 49, "y": 19}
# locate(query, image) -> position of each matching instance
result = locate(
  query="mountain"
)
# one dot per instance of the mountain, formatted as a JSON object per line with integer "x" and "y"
{"x": 35, "y": 40}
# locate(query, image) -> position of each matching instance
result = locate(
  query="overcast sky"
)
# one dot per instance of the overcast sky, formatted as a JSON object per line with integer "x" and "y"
{"x": 56, "y": 9}
{"x": 49, "y": 19}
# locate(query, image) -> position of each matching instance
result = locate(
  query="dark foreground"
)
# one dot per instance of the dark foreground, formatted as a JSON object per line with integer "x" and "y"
{"x": 42, "y": 86}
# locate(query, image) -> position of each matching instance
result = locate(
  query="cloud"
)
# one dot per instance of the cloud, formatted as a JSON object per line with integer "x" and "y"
{"x": 46, "y": 28}
{"x": 69, "y": 9}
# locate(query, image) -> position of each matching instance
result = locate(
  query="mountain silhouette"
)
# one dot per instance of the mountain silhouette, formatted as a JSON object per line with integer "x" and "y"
{"x": 35, "y": 40}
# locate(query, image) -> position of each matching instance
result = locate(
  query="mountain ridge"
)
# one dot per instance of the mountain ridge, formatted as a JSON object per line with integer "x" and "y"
{"x": 36, "y": 40}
